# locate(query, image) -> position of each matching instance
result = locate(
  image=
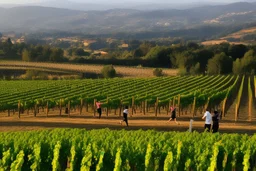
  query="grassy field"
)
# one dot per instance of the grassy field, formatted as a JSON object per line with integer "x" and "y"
{"x": 79, "y": 68}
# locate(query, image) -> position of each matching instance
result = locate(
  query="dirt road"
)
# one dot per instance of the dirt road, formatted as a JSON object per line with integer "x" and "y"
{"x": 135, "y": 123}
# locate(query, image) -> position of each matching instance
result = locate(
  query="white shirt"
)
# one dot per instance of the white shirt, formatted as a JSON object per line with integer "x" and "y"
{"x": 125, "y": 111}
{"x": 208, "y": 117}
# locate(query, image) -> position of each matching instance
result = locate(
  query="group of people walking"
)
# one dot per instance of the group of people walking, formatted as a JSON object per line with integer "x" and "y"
{"x": 210, "y": 119}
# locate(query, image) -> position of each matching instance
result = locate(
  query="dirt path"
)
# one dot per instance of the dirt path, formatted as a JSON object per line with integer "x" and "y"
{"x": 135, "y": 123}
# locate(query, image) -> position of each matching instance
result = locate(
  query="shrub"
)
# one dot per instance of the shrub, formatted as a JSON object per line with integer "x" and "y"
{"x": 182, "y": 71}
{"x": 158, "y": 72}
{"x": 108, "y": 71}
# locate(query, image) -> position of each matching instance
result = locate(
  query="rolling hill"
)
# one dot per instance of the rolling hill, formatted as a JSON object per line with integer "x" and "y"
{"x": 35, "y": 18}
{"x": 244, "y": 36}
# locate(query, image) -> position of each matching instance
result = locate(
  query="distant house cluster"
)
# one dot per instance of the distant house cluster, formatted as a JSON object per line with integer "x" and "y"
{"x": 13, "y": 38}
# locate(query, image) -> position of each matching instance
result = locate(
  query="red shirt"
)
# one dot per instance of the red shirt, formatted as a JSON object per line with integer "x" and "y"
{"x": 98, "y": 105}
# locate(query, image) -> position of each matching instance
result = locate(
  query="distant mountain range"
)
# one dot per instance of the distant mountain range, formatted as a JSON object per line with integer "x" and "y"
{"x": 37, "y": 18}
{"x": 85, "y": 6}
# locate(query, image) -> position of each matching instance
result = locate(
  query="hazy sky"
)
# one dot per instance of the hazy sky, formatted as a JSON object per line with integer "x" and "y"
{"x": 117, "y": 1}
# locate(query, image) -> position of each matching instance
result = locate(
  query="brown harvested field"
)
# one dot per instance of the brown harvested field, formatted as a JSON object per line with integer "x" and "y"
{"x": 216, "y": 42}
{"x": 249, "y": 30}
{"x": 240, "y": 33}
{"x": 236, "y": 35}
{"x": 213, "y": 42}
{"x": 79, "y": 68}
{"x": 136, "y": 122}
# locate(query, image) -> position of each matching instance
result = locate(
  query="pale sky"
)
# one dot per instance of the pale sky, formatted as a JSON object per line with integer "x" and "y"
{"x": 117, "y": 1}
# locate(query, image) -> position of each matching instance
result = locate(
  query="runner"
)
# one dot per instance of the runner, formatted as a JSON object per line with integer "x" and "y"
{"x": 208, "y": 120}
{"x": 98, "y": 104}
{"x": 125, "y": 115}
{"x": 215, "y": 119}
{"x": 173, "y": 115}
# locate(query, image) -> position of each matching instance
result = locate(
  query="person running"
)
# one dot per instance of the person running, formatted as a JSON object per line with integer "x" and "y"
{"x": 98, "y": 104}
{"x": 215, "y": 119}
{"x": 125, "y": 115}
{"x": 208, "y": 120}
{"x": 173, "y": 115}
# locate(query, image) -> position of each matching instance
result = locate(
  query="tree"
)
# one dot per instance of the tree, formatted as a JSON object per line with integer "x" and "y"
{"x": 127, "y": 55}
{"x": 138, "y": 53}
{"x": 245, "y": 65}
{"x": 194, "y": 70}
{"x": 248, "y": 62}
{"x": 157, "y": 72}
{"x": 220, "y": 64}
{"x": 237, "y": 67}
{"x": 185, "y": 60}
{"x": 223, "y": 47}
{"x": 99, "y": 44}
{"x": 192, "y": 45}
{"x": 80, "y": 52}
{"x": 133, "y": 44}
{"x": 7, "y": 46}
{"x": 56, "y": 55}
{"x": 202, "y": 56}
{"x": 237, "y": 51}
{"x": 108, "y": 71}
{"x": 26, "y": 56}
{"x": 160, "y": 56}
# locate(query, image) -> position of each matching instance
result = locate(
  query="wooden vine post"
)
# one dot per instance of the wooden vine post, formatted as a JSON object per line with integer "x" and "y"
{"x": 168, "y": 108}
{"x": 236, "y": 112}
{"x": 94, "y": 107}
{"x": 19, "y": 108}
{"x": 60, "y": 107}
{"x": 144, "y": 107}
{"x": 173, "y": 102}
{"x": 69, "y": 108}
{"x": 194, "y": 107}
{"x": 255, "y": 86}
{"x": 107, "y": 107}
{"x": 81, "y": 106}
{"x": 156, "y": 106}
{"x": 224, "y": 107}
{"x": 250, "y": 109}
{"x": 120, "y": 108}
{"x": 47, "y": 108}
{"x": 179, "y": 104}
{"x": 132, "y": 104}
{"x": 35, "y": 110}
{"x": 87, "y": 106}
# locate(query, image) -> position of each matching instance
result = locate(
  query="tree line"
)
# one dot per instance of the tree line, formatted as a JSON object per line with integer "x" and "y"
{"x": 29, "y": 52}
{"x": 189, "y": 57}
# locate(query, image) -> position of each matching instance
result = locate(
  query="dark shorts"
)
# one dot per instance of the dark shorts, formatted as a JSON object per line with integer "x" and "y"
{"x": 208, "y": 127}
{"x": 215, "y": 126}
{"x": 125, "y": 117}
{"x": 173, "y": 116}
{"x": 99, "y": 110}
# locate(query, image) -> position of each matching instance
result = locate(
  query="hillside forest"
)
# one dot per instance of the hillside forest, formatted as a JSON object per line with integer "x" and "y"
{"x": 190, "y": 57}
